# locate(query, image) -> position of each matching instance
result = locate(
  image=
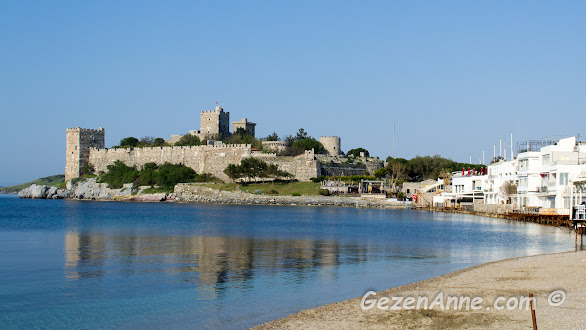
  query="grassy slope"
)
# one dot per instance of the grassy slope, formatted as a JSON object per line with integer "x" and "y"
{"x": 283, "y": 188}
{"x": 52, "y": 180}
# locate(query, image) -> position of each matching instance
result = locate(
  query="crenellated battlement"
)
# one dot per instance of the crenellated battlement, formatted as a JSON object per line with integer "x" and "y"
{"x": 259, "y": 154}
{"x": 175, "y": 148}
{"x": 87, "y": 130}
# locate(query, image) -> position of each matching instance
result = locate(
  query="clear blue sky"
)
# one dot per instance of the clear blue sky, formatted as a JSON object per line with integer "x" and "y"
{"x": 455, "y": 76}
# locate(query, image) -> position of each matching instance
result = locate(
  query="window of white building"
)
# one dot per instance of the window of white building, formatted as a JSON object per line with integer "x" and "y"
{"x": 523, "y": 182}
{"x": 564, "y": 179}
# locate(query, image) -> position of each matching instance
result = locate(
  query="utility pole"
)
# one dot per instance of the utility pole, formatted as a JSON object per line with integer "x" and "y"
{"x": 483, "y": 163}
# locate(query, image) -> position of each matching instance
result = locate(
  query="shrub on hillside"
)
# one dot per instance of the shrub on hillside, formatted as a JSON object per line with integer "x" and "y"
{"x": 87, "y": 169}
{"x": 319, "y": 179}
{"x": 205, "y": 177}
{"x": 118, "y": 174}
{"x": 165, "y": 176}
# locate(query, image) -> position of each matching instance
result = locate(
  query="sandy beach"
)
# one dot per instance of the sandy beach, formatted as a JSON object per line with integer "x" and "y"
{"x": 511, "y": 279}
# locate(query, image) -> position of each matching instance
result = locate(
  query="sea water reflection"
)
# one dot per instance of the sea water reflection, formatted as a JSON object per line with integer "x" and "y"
{"x": 212, "y": 261}
{"x": 109, "y": 265}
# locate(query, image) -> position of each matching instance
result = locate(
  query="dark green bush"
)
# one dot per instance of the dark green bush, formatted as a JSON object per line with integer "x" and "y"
{"x": 307, "y": 144}
{"x": 295, "y": 194}
{"x": 87, "y": 169}
{"x": 130, "y": 141}
{"x": 319, "y": 179}
{"x": 205, "y": 177}
{"x": 165, "y": 176}
{"x": 324, "y": 192}
{"x": 118, "y": 174}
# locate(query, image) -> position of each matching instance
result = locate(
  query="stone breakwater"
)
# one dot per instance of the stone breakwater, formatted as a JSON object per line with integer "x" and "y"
{"x": 199, "y": 193}
{"x": 91, "y": 190}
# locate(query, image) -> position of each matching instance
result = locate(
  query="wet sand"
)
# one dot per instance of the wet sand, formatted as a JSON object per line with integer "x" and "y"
{"x": 512, "y": 278}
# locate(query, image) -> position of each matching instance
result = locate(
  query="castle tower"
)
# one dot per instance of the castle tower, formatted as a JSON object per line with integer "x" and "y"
{"x": 77, "y": 148}
{"x": 332, "y": 145}
{"x": 215, "y": 124}
{"x": 247, "y": 126}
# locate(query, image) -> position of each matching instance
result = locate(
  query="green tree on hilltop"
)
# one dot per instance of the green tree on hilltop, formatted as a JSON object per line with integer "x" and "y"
{"x": 188, "y": 140}
{"x": 308, "y": 144}
{"x": 128, "y": 142}
{"x": 273, "y": 137}
{"x": 356, "y": 152}
{"x": 159, "y": 142}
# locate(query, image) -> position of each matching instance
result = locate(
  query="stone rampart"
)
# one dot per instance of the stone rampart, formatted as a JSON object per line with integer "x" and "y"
{"x": 337, "y": 169}
{"x": 203, "y": 159}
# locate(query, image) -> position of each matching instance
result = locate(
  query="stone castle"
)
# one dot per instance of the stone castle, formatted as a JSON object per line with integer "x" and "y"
{"x": 87, "y": 146}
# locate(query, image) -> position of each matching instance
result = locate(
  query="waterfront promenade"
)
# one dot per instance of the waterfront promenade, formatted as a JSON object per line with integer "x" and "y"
{"x": 539, "y": 275}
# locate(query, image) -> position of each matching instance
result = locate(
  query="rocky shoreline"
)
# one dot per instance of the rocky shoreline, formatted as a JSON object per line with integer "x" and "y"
{"x": 90, "y": 189}
{"x": 200, "y": 193}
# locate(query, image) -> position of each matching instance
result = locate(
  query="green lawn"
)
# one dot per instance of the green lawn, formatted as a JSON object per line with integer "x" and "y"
{"x": 278, "y": 188}
{"x": 53, "y": 180}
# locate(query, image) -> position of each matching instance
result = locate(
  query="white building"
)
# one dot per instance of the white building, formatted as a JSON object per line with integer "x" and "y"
{"x": 499, "y": 174}
{"x": 467, "y": 187}
{"x": 545, "y": 176}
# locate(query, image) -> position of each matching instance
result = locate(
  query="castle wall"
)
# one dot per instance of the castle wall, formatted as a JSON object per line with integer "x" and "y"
{"x": 338, "y": 169}
{"x": 77, "y": 143}
{"x": 275, "y": 146}
{"x": 203, "y": 159}
{"x": 303, "y": 167}
{"x": 373, "y": 166}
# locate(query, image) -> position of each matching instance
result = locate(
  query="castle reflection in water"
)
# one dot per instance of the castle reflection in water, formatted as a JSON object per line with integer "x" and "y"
{"x": 207, "y": 261}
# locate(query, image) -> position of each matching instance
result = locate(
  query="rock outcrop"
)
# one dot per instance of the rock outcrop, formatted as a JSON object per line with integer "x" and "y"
{"x": 44, "y": 192}
{"x": 92, "y": 190}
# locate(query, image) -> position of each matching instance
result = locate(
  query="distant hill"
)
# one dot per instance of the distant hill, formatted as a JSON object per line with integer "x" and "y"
{"x": 52, "y": 180}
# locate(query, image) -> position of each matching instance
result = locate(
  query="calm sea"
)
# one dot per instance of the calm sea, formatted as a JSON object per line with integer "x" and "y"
{"x": 76, "y": 264}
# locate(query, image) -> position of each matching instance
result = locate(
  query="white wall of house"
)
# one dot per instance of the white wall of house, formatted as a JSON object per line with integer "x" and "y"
{"x": 544, "y": 177}
{"x": 498, "y": 174}
{"x": 528, "y": 172}
{"x": 462, "y": 184}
